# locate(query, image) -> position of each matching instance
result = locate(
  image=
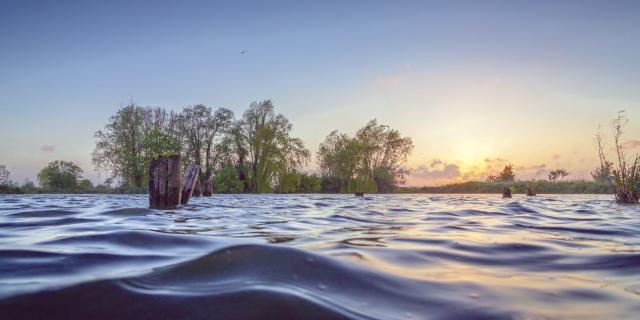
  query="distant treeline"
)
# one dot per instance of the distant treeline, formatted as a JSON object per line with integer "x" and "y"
{"x": 539, "y": 186}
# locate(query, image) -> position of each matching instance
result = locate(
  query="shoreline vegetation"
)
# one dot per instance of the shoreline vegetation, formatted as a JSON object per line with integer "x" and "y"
{"x": 256, "y": 153}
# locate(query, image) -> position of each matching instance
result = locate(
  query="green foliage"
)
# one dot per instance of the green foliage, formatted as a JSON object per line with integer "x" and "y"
{"x": 120, "y": 146}
{"x": 60, "y": 176}
{"x": 157, "y": 143}
{"x": 85, "y": 186}
{"x": 310, "y": 183}
{"x": 226, "y": 180}
{"x": 29, "y": 187}
{"x": 541, "y": 186}
{"x": 297, "y": 182}
{"x": 265, "y": 139}
{"x": 9, "y": 187}
{"x": 200, "y": 130}
{"x": 557, "y": 173}
{"x": 372, "y": 161}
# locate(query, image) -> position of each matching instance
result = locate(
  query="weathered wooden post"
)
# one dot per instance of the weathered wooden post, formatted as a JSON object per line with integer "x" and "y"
{"x": 190, "y": 178}
{"x": 164, "y": 182}
{"x": 197, "y": 189}
{"x": 206, "y": 188}
{"x": 506, "y": 192}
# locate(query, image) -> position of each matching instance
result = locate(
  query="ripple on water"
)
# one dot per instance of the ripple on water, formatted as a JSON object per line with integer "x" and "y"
{"x": 319, "y": 257}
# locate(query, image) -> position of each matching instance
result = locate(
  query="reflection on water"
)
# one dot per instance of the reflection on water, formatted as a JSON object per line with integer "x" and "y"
{"x": 320, "y": 257}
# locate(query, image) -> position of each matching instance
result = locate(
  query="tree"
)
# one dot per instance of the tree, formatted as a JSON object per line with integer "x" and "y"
{"x": 384, "y": 153}
{"x": 85, "y": 185}
{"x": 225, "y": 180}
{"x": 201, "y": 131}
{"x": 4, "y": 174}
{"x": 310, "y": 183}
{"x": 507, "y": 174}
{"x": 60, "y": 176}
{"x": 339, "y": 157}
{"x": 372, "y": 161}
{"x": 558, "y": 173}
{"x": 29, "y": 187}
{"x": 131, "y": 137}
{"x": 270, "y": 148}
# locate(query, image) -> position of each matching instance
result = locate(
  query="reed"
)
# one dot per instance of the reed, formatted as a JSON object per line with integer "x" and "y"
{"x": 627, "y": 175}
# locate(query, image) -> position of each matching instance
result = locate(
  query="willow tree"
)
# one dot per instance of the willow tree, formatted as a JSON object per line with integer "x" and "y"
{"x": 372, "y": 161}
{"x": 269, "y": 146}
{"x": 340, "y": 157}
{"x": 384, "y": 154}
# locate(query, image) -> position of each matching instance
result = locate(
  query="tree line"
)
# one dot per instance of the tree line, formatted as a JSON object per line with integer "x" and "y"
{"x": 253, "y": 153}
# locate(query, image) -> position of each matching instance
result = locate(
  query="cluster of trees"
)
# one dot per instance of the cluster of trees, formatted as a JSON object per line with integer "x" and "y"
{"x": 255, "y": 153}
{"x": 508, "y": 175}
{"x": 371, "y": 161}
{"x": 57, "y": 177}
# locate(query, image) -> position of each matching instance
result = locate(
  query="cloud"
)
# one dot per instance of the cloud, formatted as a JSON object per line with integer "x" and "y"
{"x": 556, "y": 156}
{"x": 48, "y": 148}
{"x": 437, "y": 170}
{"x": 392, "y": 80}
{"x": 631, "y": 144}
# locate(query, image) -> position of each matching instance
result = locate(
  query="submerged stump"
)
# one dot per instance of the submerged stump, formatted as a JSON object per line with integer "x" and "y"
{"x": 530, "y": 192}
{"x": 190, "y": 178}
{"x": 359, "y": 194}
{"x": 506, "y": 192}
{"x": 206, "y": 188}
{"x": 197, "y": 189}
{"x": 164, "y": 182}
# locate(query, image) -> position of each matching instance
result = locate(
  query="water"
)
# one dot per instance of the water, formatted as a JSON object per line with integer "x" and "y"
{"x": 320, "y": 257}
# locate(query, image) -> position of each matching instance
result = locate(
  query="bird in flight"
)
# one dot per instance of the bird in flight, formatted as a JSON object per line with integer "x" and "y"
{"x": 243, "y": 51}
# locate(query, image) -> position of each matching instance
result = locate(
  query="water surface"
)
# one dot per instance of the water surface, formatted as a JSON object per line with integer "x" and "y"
{"x": 320, "y": 257}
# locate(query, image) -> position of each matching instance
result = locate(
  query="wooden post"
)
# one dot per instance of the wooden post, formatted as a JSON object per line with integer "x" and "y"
{"x": 206, "y": 188}
{"x": 197, "y": 189}
{"x": 190, "y": 178}
{"x": 164, "y": 182}
{"x": 506, "y": 192}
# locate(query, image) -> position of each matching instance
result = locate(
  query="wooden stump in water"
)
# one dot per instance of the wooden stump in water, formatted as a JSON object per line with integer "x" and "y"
{"x": 530, "y": 192}
{"x": 164, "y": 182}
{"x": 197, "y": 189}
{"x": 190, "y": 178}
{"x": 359, "y": 194}
{"x": 206, "y": 188}
{"x": 506, "y": 192}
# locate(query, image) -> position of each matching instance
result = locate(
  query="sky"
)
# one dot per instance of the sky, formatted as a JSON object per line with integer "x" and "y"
{"x": 475, "y": 84}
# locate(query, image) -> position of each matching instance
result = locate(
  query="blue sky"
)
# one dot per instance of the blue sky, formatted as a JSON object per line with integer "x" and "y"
{"x": 526, "y": 82}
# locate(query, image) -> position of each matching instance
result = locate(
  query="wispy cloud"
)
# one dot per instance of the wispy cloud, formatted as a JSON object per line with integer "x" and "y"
{"x": 48, "y": 148}
{"x": 392, "y": 80}
{"x": 437, "y": 170}
{"x": 631, "y": 144}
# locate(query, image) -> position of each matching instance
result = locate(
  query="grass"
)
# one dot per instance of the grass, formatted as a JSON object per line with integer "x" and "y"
{"x": 539, "y": 186}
